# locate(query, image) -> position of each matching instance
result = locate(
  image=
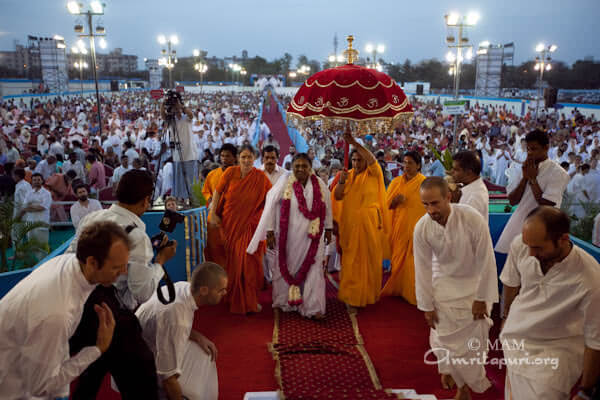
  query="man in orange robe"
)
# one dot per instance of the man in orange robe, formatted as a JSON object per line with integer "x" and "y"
{"x": 360, "y": 209}
{"x": 214, "y": 250}
{"x": 243, "y": 189}
{"x": 404, "y": 201}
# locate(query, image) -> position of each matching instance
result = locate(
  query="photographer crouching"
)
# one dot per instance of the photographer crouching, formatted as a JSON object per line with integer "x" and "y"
{"x": 178, "y": 122}
{"x": 128, "y": 359}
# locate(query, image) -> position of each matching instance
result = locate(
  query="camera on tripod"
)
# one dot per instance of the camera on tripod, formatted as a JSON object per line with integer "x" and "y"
{"x": 172, "y": 98}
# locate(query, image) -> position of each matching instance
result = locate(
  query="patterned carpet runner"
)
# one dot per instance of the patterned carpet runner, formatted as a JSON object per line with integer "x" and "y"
{"x": 323, "y": 359}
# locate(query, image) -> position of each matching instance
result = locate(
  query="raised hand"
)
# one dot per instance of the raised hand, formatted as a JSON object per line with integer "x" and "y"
{"x": 106, "y": 326}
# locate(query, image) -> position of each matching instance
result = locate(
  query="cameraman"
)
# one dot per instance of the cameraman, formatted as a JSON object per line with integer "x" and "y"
{"x": 128, "y": 359}
{"x": 185, "y": 154}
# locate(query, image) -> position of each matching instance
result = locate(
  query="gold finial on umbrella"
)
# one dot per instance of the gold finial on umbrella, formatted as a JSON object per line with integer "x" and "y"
{"x": 350, "y": 53}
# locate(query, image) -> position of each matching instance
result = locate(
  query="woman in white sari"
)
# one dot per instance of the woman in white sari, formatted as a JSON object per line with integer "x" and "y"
{"x": 297, "y": 222}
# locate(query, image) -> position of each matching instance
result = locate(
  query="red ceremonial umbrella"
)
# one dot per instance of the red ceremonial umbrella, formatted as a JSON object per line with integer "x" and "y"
{"x": 350, "y": 97}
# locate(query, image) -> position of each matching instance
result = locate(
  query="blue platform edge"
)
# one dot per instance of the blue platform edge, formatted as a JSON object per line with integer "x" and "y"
{"x": 191, "y": 239}
{"x": 190, "y": 236}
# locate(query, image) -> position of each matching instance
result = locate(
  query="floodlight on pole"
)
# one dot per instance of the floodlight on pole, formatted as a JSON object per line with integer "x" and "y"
{"x": 540, "y": 47}
{"x": 369, "y": 48}
{"x": 553, "y": 48}
{"x": 102, "y": 43}
{"x": 452, "y": 18}
{"x": 174, "y": 39}
{"x": 196, "y": 53}
{"x": 484, "y": 44}
{"x": 380, "y": 48}
{"x": 472, "y": 18}
{"x": 332, "y": 58}
{"x": 162, "y": 39}
{"x": 97, "y": 7}
{"x": 74, "y": 50}
{"x": 73, "y": 7}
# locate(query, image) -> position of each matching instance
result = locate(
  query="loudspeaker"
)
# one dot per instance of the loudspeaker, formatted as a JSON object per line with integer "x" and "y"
{"x": 550, "y": 96}
{"x": 114, "y": 86}
{"x": 419, "y": 89}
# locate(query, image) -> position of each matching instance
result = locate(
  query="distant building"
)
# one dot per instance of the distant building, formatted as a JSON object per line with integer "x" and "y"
{"x": 116, "y": 61}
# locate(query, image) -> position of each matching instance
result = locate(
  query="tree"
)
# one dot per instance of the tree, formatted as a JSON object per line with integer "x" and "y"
{"x": 14, "y": 231}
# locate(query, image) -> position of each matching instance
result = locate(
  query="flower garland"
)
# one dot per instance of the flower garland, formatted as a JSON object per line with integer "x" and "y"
{"x": 316, "y": 216}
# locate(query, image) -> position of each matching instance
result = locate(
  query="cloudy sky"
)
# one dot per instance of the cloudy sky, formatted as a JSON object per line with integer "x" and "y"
{"x": 413, "y": 30}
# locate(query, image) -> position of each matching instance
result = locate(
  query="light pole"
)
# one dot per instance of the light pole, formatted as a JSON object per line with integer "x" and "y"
{"x": 542, "y": 62}
{"x": 170, "y": 55}
{"x": 458, "y": 22}
{"x": 374, "y": 50}
{"x": 234, "y": 68}
{"x": 96, "y": 8}
{"x": 201, "y": 67}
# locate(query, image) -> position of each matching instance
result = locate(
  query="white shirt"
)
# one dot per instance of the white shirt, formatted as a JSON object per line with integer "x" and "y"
{"x": 132, "y": 154}
{"x": 287, "y": 159}
{"x": 38, "y": 316}
{"x": 189, "y": 152}
{"x": 596, "y": 232}
{"x": 21, "y": 190}
{"x": 556, "y": 314}
{"x": 78, "y": 210}
{"x": 77, "y": 167}
{"x": 166, "y": 328}
{"x": 41, "y": 197}
{"x": 45, "y": 169}
{"x": 552, "y": 180}
{"x": 119, "y": 172}
{"x": 454, "y": 262}
{"x": 273, "y": 177}
{"x": 476, "y": 195}
{"x": 142, "y": 276}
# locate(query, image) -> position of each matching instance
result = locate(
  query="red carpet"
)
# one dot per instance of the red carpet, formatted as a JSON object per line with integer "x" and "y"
{"x": 397, "y": 337}
{"x": 275, "y": 121}
{"x": 323, "y": 359}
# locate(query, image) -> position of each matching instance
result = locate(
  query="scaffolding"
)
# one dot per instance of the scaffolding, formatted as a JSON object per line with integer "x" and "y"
{"x": 490, "y": 62}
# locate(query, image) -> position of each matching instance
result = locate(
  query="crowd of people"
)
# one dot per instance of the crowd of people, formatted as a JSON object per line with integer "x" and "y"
{"x": 285, "y": 224}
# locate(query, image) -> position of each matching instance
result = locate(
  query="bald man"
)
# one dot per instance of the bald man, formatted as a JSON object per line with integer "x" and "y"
{"x": 552, "y": 303}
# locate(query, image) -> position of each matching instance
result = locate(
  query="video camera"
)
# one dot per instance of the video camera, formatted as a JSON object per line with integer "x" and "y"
{"x": 168, "y": 222}
{"x": 172, "y": 98}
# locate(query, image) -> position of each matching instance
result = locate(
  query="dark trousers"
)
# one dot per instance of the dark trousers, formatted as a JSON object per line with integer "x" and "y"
{"x": 128, "y": 358}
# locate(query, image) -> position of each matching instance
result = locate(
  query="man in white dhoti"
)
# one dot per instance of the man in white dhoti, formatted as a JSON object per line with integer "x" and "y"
{"x": 270, "y": 155}
{"x": 42, "y": 311}
{"x": 541, "y": 181}
{"x": 185, "y": 359}
{"x": 297, "y": 223}
{"x": 551, "y": 303}
{"x": 456, "y": 285}
{"x": 466, "y": 168}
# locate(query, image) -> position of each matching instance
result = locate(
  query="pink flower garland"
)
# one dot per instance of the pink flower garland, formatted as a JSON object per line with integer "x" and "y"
{"x": 318, "y": 211}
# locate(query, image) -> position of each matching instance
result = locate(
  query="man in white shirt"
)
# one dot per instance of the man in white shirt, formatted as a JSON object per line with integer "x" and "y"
{"x": 36, "y": 208}
{"x": 551, "y": 303}
{"x": 456, "y": 285}
{"x": 541, "y": 181}
{"x": 135, "y": 375}
{"x": 120, "y": 171}
{"x": 47, "y": 167}
{"x": 22, "y": 188}
{"x": 74, "y": 164}
{"x": 41, "y": 312}
{"x": 288, "y": 158}
{"x": 466, "y": 168}
{"x": 185, "y": 155}
{"x": 83, "y": 206}
{"x": 185, "y": 359}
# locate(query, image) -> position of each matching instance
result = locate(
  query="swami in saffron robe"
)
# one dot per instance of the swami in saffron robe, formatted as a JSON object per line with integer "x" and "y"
{"x": 404, "y": 218}
{"x": 364, "y": 224}
{"x": 244, "y": 202}
{"x": 214, "y": 250}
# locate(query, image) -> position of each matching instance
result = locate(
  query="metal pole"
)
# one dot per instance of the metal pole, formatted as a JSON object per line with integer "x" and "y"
{"x": 457, "y": 81}
{"x": 93, "y": 49}
{"x": 170, "y": 67}
{"x": 541, "y": 78}
{"x": 81, "y": 75}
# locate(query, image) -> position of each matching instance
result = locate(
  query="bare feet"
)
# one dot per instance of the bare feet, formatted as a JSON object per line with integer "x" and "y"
{"x": 463, "y": 393}
{"x": 352, "y": 309}
{"x": 448, "y": 382}
{"x": 319, "y": 316}
{"x": 258, "y": 308}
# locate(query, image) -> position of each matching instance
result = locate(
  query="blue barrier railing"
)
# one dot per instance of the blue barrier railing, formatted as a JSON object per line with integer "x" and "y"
{"x": 295, "y": 136}
{"x": 70, "y": 93}
{"x": 256, "y": 135}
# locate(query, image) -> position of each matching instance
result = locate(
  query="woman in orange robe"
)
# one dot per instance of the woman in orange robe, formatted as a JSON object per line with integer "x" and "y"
{"x": 404, "y": 201}
{"x": 215, "y": 249}
{"x": 361, "y": 213}
{"x": 243, "y": 190}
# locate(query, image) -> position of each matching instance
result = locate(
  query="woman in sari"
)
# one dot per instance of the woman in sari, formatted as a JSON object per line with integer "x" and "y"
{"x": 405, "y": 205}
{"x": 236, "y": 207}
